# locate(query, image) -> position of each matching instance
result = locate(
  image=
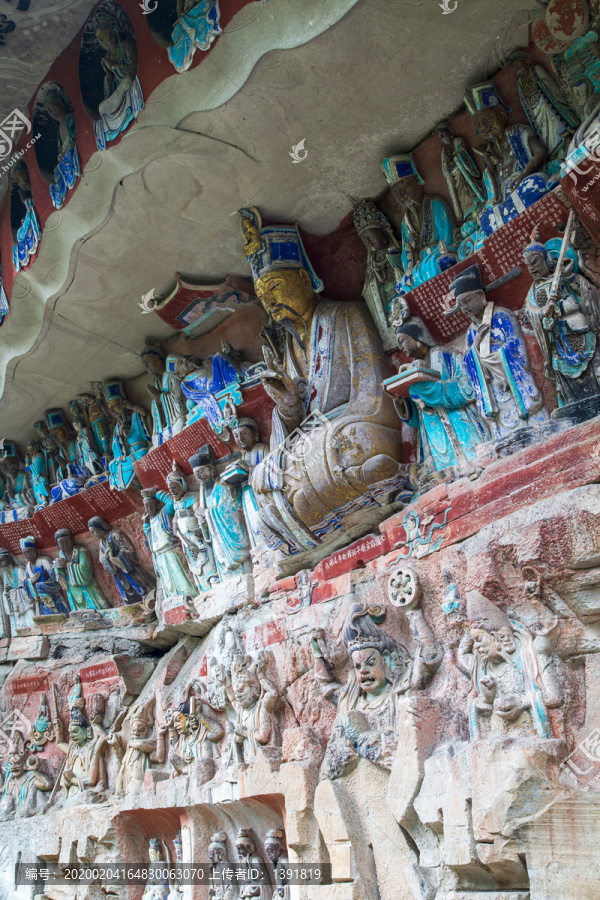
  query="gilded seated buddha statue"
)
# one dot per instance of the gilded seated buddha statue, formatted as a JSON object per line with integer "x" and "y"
{"x": 328, "y": 382}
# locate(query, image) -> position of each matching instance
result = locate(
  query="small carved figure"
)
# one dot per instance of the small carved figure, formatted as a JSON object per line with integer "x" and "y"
{"x": 217, "y": 854}
{"x": 66, "y": 171}
{"x": 194, "y": 736}
{"x": 24, "y": 783}
{"x": 514, "y": 158}
{"x": 18, "y": 492}
{"x": 197, "y": 550}
{"x": 565, "y": 318}
{"x": 276, "y": 851}
{"x": 137, "y": 751}
{"x": 512, "y": 686}
{"x": 71, "y": 475}
{"x": 85, "y": 445}
{"x": 40, "y": 581}
{"x": 450, "y": 428}
{"x": 50, "y": 450}
{"x": 428, "y": 246}
{"x": 118, "y": 556}
{"x": 157, "y": 888}
{"x": 259, "y": 885}
{"x": 168, "y": 402}
{"x": 384, "y": 265}
{"x": 84, "y": 773}
{"x": 15, "y": 600}
{"x": 123, "y": 97}
{"x": 219, "y": 512}
{"x": 196, "y": 28}
{"x": 130, "y": 437}
{"x": 75, "y": 572}
{"x": 98, "y": 417}
{"x": 496, "y": 360}
{"x": 27, "y": 234}
{"x": 163, "y": 546}
{"x": 464, "y": 180}
{"x": 550, "y": 115}
{"x": 35, "y": 466}
{"x": 246, "y": 436}
{"x": 201, "y": 380}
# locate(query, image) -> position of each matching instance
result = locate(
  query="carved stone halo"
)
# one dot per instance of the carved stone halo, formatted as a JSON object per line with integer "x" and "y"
{"x": 404, "y": 588}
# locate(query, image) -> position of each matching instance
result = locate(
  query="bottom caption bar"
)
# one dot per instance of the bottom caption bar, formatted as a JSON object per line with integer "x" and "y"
{"x": 162, "y": 873}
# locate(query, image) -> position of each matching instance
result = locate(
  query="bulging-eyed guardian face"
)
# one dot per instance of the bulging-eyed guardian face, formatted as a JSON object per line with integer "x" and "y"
{"x": 369, "y": 666}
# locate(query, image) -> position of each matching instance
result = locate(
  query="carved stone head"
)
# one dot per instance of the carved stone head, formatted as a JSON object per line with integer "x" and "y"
{"x": 245, "y": 684}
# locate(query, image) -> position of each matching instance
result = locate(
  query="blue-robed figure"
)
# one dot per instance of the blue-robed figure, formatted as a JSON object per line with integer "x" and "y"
{"x": 66, "y": 171}
{"x": 514, "y": 159}
{"x": 196, "y": 28}
{"x": 40, "y": 581}
{"x": 443, "y": 411}
{"x": 118, "y": 557}
{"x": 428, "y": 245}
{"x": 28, "y": 234}
{"x": 130, "y": 438}
{"x": 201, "y": 381}
{"x": 496, "y": 360}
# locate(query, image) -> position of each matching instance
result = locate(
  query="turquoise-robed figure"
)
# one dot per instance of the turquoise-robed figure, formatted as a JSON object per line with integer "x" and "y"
{"x": 164, "y": 545}
{"x": 450, "y": 428}
{"x": 220, "y": 513}
{"x": 75, "y": 571}
{"x": 130, "y": 438}
{"x": 196, "y": 28}
{"x": 428, "y": 245}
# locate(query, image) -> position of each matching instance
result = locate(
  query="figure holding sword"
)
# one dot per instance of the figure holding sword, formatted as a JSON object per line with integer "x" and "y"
{"x": 563, "y": 308}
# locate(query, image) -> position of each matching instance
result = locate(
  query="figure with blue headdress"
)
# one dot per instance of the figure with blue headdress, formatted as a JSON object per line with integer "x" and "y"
{"x": 168, "y": 403}
{"x": 443, "y": 410}
{"x": 123, "y": 97}
{"x": 327, "y": 387}
{"x": 196, "y": 28}
{"x": 514, "y": 158}
{"x": 496, "y": 360}
{"x": 428, "y": 245}
{"x": 66, "y": 171}
{"x": 566, "y": 322}
{"x": 130, "y": 438}
{"x": 40, "y": 581}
